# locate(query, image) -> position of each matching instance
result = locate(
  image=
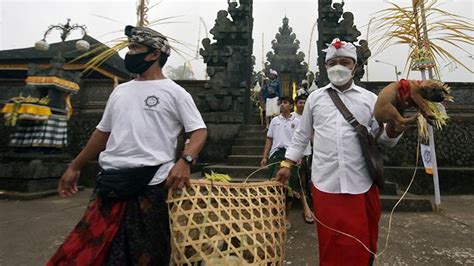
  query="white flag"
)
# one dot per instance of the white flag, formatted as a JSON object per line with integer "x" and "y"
{"x": 426, "y": 156}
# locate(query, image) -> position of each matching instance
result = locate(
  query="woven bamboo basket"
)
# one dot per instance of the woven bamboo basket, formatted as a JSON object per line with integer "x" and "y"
{"x": 216, "y": 223}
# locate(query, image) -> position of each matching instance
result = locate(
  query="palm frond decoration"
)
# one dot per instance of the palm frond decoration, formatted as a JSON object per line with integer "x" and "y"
{"x": 102, "y": 53}
{"x": 403, "y": 25}
{"x": 142, "y": 13}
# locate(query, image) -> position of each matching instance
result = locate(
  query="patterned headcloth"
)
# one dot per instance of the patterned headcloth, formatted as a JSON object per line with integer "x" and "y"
{"x": 273, "y": 72}
{"x": 148, "y": 37}
{"x": 340, "y": 48}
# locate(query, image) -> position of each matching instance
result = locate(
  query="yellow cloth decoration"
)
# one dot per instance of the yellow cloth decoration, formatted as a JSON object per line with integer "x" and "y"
{"x": 26, "y": 108}
{"x": 14, "y": 111}
{"x": 293, "y": 95}
{"x": 66, "y": 84}
{"x": 68, "y": 106}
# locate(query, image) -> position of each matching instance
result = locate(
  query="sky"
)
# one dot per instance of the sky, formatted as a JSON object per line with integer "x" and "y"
{"x": 23, "y": 22}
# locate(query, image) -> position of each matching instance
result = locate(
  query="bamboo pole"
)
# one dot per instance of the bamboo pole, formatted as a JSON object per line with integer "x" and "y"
{"x": 437, "y": 193}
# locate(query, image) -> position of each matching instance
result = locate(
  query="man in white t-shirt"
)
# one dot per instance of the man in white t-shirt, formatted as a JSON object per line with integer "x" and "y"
{"x": 278, "y": 140}
{"x": 304, "y": 166}
{"x": 139, "y": 128}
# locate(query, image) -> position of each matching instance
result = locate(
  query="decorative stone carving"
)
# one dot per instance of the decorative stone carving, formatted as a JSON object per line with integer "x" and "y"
{"x": 228, "y": 59}
{"x": 285, "y": 58}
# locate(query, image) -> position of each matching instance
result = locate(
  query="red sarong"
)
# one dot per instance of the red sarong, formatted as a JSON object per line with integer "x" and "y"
{"x": 89, "y": 241}
{"x": 356, "y": 215}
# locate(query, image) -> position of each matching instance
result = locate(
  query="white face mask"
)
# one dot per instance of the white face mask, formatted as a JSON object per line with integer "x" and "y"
{"x": 339, "y": 75}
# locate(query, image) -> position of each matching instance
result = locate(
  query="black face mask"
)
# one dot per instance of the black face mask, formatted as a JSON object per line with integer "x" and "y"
{"x": 136, "y": 64}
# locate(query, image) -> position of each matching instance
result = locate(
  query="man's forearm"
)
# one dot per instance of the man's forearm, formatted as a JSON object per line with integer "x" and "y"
{"x": 196, "y": 142}
{"x": 391, "y": 132}
{"x": 268, "y": 145}
{"x": 94, "y": 146}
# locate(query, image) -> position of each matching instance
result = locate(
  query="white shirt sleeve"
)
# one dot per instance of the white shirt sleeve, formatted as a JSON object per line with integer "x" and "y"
{"x": 388, "y": 141}
{"x": 384, "y": 139}
{"x": 189, "y": 114}
{"x": 302, "y": 134}
{"x": 105, "y": 124}
{"x": 270, "y": 128}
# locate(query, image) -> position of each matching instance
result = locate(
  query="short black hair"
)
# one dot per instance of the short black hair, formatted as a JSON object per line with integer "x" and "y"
{"x": 163, "y": 56}
{"x": 300, "y": 97}
{"x": 288, "y": 99}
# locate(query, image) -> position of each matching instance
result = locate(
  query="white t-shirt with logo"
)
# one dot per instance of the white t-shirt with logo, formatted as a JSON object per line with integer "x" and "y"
{"x": 281, "y": 131}
{"x": 144, "y": 119}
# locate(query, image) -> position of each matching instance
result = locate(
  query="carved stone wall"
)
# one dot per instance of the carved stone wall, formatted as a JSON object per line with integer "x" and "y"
{"x": 229, "y": 64}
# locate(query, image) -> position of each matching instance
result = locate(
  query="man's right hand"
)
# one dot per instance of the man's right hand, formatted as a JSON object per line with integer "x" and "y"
{"x": 68, "y": 183}
{"x": 263, "y": 162}
{"x": 282, "y": 175}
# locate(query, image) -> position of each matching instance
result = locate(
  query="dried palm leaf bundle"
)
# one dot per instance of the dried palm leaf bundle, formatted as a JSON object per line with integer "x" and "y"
{"x": 403, "y": 25}
{"x": 101, "y": 53}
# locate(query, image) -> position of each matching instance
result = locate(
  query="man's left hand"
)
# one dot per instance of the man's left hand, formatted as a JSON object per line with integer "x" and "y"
{"x": 179, "y": 176}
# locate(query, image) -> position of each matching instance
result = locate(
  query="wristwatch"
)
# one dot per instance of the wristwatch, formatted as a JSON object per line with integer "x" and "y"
{"x": 285, "y": 164}
{"x": 189, "y": 159}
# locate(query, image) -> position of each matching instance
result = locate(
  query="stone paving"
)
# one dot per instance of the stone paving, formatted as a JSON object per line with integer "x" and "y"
{"x": 32, "y": 230}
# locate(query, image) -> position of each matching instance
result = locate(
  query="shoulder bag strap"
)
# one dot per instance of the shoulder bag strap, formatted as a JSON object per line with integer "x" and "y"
{"x": 349, "y": 116}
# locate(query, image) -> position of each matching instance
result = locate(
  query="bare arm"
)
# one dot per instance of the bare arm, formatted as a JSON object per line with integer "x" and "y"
{"x": 181, "y": 171}
{"x": 94, "y": 146}
{"x": 266, "y": 151}
{"x": 196, "y": 142}
{"x": 68, "y": 183}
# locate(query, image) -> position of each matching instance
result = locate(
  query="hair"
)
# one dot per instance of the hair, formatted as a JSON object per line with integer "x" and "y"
{"x": 299, "y": 98}
{"x": 163, "y": 56}
{"x": 288, "y": 99}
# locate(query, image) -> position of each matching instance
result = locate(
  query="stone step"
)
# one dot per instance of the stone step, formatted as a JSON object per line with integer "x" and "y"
{"x": 247, "y": 150}
{"x": 252, "y": 134}
{"x": 389, "y": 188}
{"x": 249, "y": 142}
{"x": 453, "y": 180}
{"x": 411, "y": 203}
{"x": 247, "y": 160}
{"x": 255, "y": 120}
{"x": 252, "y": 128}
{"x": 237, "y": 171}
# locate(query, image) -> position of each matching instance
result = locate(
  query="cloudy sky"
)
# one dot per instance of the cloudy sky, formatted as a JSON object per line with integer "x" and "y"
{"x": 23, "y": 22}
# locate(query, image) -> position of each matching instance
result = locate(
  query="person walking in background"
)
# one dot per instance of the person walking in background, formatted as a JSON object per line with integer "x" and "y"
{"x": 271, "y": 93}
{"x": 304, "y": 167}
{"x": 303, "y": 90}
{"x": 278, "y": 139}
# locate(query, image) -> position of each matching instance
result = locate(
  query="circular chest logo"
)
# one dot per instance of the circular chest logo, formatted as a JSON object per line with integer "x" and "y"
{"x": 152, "y": 101}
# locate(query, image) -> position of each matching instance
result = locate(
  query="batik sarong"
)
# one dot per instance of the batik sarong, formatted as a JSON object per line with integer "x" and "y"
{"x": 132, "y": 232}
